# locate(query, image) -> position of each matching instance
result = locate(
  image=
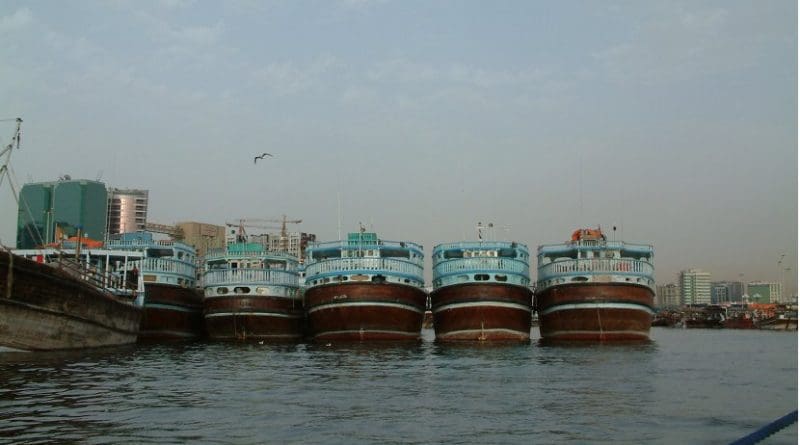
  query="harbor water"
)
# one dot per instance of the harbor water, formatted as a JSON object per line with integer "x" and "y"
{"x": 685, "y": 386}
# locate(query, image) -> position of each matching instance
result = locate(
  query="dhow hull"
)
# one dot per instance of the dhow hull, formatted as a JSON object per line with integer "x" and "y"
{"x": 365, "y": 312}
{"x": 171, "y": 313}
{"x": 482, "y": 312}
{"x": 254, "y": 318}
{"x": 595, "y": 312}
{"x": 42, "y": 308}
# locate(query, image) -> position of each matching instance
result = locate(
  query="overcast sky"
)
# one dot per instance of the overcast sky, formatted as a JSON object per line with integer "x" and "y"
{"x": 674, "y": 121}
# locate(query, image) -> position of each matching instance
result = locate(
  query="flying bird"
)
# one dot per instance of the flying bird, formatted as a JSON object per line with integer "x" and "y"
{"x": 260, "y": 157}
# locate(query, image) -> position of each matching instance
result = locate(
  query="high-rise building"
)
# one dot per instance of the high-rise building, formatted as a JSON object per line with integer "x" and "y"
{"x": 764, "y": 292}
{"x": 727, "y": 292}
{"x": 719, "y": 293}
{"x": 49, "y": 211}
{"x": 695, "y": 287}
{"x": 127, "y": 210}
{"x": 668, "y": 295}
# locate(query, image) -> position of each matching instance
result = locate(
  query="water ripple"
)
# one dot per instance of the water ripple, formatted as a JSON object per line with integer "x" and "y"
{"x": 671, "y": 390}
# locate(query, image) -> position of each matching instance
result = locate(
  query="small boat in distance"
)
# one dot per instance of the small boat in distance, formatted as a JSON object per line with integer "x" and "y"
{"x": 592, "y": 289}
{"x": 252, "y": 294}
{"x": 173, "y": 304}
{"x": 481, "y": 291}
{"x": 364, "y": 288}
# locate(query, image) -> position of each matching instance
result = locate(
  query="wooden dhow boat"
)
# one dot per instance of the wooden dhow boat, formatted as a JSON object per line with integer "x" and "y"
{"x": 54, "y": 302}
{"x": 364, "y": 289}
{"x": 173, "y": 304}
{"x": 592, "y": 289}
{"x": 481, "y": 291}
{"x": 252, "y": 294}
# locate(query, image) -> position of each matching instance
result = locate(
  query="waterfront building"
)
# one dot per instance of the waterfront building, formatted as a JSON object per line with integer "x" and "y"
{"x": 719, "y": 293}
{"x": 127, "y": 210}
{"x": 764, "y": 292}
{"x": 51, "y": 211}
{"x": 695, "y": 287}
{"x": 202, "y": 236}
{"x": 293, "y": 243}
{"x": 727, "y": 292}
{"x": 668, "y": 295}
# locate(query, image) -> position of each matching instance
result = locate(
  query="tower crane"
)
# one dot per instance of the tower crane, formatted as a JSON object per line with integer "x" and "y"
{"x": 241, "y": 233}
{"x": 253, "y": 222}
{"x": 284, "y": 234}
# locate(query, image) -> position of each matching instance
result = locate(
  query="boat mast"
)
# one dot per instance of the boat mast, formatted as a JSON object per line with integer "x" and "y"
{"x": 15, "y": 140}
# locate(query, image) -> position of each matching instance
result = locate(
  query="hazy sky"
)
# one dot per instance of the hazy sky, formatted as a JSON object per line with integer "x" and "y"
{"x": 674, "y": 121}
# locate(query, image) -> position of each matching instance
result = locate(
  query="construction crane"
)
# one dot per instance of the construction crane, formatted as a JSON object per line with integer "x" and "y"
{"x": 173, "y": 231}
{"x": 254, "y": 222}
{"x": 241, "y": 233}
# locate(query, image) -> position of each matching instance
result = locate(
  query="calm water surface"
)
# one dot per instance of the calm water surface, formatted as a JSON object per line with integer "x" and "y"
{"x": 686, "y": 386}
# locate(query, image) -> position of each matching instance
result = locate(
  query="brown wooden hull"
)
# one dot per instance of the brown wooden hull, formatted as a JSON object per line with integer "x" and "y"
{"x": 365, "y": 312}
{"x": 739, "y": 323}
{"x": 171, "y": 313}
{"x": 482, "y": 312}
{"x": 42, "y": 308}
{"x": 595, "y": 312}
{"x": 253, "y": 318}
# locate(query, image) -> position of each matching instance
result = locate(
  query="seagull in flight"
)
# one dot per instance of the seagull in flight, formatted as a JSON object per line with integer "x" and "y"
{"x": 261, "y": 157}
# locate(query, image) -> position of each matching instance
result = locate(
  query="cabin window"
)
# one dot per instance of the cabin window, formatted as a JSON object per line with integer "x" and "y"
{"x": 241, "y": 290}
{"x": 453, "y": 254}
{"x": 501, "y": 278}
{"x": 262, "y": 290}
{"x": 507, "y": 253}
{"x": 222, "y": 290}
{"x": 481, "y": 277}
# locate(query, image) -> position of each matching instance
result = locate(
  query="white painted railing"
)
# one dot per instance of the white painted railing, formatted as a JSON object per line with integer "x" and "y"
{"x": 594, "y": 266}
{"x": 167, "y": 265}
{"x": 360, "y": 264}
{"x": 255, "y": 276}
{"x": 478, "y": 264}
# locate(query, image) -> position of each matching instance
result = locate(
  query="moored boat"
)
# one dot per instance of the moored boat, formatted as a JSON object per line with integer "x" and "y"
{"x": 481, "y": 291}
{"x": 51, "y": 300}
{"x": 252, "y": 293}
{"x": 592, "y": 289}
{"x": 785, "y": 320}
{"x": 54, "y": 301}
{"x": 173, "y": 304}
{"x": 364, "y": 288}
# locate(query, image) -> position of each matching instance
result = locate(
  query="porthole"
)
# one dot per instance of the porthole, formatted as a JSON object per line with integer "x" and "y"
{"x": 222, "y": 290}
{"x": 241, "y": 290}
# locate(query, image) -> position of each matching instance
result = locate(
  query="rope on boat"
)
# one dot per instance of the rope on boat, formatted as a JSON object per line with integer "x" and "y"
{"x": 767, "y": 430}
